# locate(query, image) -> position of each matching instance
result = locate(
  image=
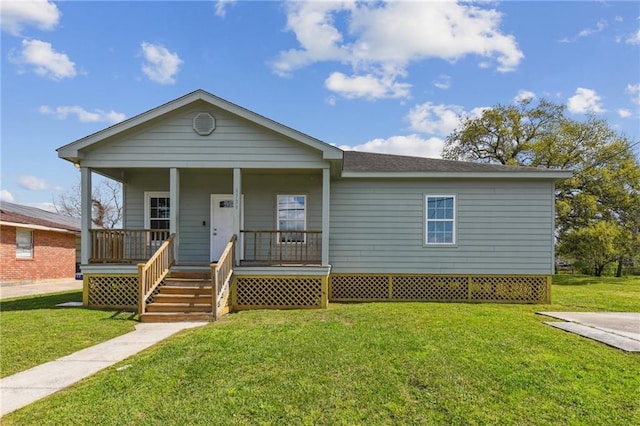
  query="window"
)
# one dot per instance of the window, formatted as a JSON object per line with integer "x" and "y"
{"x": 157, "y": 213}
{"x": 292, "y": 216}
{"x": 24, "y": 243}
{"x": 441, "y": 219}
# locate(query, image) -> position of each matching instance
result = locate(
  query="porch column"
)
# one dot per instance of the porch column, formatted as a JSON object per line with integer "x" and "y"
{"x": 85, "y": 220}
{"x": 237, "y": 209}
{"x": 326, "y": 194}
{"x": 174, "y": 211}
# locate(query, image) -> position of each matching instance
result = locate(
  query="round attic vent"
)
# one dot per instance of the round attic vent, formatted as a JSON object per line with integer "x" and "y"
{"x": 204, "y": 123}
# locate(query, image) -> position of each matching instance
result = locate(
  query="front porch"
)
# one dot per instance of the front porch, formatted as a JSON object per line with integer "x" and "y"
{"x": 282, "y": 271}
{"x": 272, "y": 220}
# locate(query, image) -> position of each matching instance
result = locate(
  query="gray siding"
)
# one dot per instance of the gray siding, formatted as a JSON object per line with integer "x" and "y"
{"x": 503, "y": 227}
{"x": 196, "y": 186}
{"x": 261, "y": 190}
{"x": 173, "y": 143}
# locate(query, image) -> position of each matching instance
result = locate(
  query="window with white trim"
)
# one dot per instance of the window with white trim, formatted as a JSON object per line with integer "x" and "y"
{"x": 157, "y": 212}
{"x": 440, "y": 215}
{"x": 292, "y": 216}
{"x": 24, "y": 243}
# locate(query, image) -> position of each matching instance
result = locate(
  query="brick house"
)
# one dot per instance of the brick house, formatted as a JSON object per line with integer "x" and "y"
{"x": 36, "y": 244}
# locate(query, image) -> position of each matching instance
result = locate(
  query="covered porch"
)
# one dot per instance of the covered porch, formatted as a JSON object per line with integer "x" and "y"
{"x": 259, "y": 236}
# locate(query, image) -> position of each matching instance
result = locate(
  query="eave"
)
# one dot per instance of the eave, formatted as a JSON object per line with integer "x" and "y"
{"x": 551, "y": 174}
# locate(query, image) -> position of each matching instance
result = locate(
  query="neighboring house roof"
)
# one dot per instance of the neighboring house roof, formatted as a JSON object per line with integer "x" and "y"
{"x": 16, "y": 215}
{"x": 71, "y": 151}
{"x": 367, "y": 164}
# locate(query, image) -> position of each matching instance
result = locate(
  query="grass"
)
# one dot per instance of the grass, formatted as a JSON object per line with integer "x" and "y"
{"x": 33, "y": 330}
{"x": 371, "y": 363}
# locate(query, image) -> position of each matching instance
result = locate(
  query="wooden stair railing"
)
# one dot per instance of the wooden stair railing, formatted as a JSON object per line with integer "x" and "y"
{"x": 221, "y": 274}
{"x": 151, "y": 274}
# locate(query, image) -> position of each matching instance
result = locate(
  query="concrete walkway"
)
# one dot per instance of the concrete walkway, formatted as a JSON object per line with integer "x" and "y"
{"x": 618, "y": 329}
{"x": 31, "y": 385}
{"x": 33, "y": 288}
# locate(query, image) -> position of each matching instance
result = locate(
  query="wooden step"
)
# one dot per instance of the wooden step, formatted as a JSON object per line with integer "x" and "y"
{"x": 183, "y": 298}
{"x": 179, "y": 307}
{"x": 190, "y": 275}
{"x": 171, "y": 289}
{"x": 175, "y": 317}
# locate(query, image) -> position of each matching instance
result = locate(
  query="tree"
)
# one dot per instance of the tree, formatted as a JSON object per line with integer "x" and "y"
{"x": 606, "y": 181}
{"x": 106, "y": 200}
{"x": 592, "y": 247}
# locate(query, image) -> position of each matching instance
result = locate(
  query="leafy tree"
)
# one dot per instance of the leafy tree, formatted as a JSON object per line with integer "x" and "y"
{"x": 106, "y": 200}
{"x": 592, "y": 247}
{"x": 606, "y": 181}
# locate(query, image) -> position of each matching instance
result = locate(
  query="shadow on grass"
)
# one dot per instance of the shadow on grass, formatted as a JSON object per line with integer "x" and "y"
{"x": 123, "y": 316}
{"x": 45, "y": 301}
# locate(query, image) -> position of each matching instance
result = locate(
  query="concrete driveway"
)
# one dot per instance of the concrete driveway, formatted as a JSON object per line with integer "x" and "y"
{"x": 618, "y": 329}
{"x": 34, "y": 288}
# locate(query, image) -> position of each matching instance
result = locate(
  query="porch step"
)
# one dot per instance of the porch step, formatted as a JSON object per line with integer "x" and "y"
{"x": 189, "y": 275}
{"x": 185, "y": 296}
{"x": 195, "y": 296}
{"x": 175, "y": 317}
{"x": 179, "y": 307}
{"x": 186, "y": 289}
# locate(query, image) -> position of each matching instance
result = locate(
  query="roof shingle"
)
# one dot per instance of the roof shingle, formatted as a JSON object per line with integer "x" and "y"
{"x": 355, "y": 161}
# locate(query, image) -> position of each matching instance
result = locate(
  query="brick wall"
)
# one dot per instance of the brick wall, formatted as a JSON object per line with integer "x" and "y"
{"x": 54, "y": 256}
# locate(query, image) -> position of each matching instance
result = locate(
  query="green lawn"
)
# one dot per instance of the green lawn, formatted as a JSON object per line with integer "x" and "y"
{"x": 33, "y": 330}
{"x": 372, "y": 363}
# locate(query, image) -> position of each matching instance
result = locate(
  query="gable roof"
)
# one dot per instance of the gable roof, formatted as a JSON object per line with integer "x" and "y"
{"x": 367, "y": 164}
{"x": 71, "y": 151}
{"x": 16, "y": 215}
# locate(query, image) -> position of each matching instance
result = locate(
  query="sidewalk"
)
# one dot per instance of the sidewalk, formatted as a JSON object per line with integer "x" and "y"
{"x": 28, "y": 386}
{"x": 9, "y": 290}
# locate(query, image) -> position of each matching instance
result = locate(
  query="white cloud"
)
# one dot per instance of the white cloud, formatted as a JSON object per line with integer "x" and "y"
{"x": 15, "y": 15}
{"x": 381, "y": 39}
{"x": 45, "y": 60}
{"x": 95, "y": 116}
{"x": 600, "y": 26}
{"x": 161, "y": 65}
{"x": 366, "y": 86}
{"x": 624, "y": 113}
{"x": 32, "y": 183}
{"x": 6, "y": 196}
{"x": 221, "y": 7}
{"x": 412, "y": 145}
{"x": 633, "y": 38}
{"x": 435, "y": 119}
{"x": 634, "y": 91}
{"x": 439, "y": 119}
{"x": 585, "y": 101}
{"x": 524, "y": 95}
{"x": 443, "y": 82}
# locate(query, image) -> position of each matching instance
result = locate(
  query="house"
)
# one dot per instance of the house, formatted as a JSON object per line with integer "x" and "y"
{"x": 36, "y": 244}
{"x": 276, "y": 218}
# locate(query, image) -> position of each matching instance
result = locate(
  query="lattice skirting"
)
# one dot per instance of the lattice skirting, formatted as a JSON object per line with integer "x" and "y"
{"x": 442, "y": 288}
{"x": 279, "y": 292}
{"x": 111, "y": 291}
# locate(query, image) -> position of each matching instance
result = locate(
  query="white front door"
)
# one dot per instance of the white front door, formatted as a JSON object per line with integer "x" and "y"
{"x": 221, "y": 223}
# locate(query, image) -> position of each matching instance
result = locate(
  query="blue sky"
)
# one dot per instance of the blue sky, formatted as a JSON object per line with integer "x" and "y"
{"x": 374, "y": 76}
